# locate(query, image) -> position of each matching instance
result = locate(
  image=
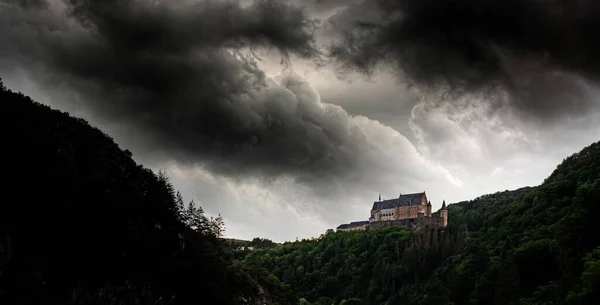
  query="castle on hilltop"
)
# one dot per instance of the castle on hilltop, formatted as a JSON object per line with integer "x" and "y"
{"x": 406, "y": 211}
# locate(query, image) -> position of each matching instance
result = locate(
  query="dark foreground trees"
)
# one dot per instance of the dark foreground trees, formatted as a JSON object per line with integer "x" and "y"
{"x": 82, "y": 223}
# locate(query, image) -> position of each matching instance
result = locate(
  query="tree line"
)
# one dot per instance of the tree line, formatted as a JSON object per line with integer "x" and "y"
{"x": 82, "y": 223}
{"x": 534, "y": 245}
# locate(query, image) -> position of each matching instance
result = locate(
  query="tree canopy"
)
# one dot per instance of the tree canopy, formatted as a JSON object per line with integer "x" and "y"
{"x": 87, "y": 225}
{"x": 534, "y": 245}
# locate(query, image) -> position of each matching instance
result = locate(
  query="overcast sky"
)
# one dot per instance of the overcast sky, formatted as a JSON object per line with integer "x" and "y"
{"x": 289, "y": 118}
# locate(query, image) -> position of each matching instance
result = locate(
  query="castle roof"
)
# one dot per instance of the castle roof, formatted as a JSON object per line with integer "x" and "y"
{"x": 444, "y": 205}
{"x": 403, "y": 200}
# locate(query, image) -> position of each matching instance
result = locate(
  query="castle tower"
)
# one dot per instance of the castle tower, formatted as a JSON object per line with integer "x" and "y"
{"x": 428, "y": 212}
{"x": 444, "y": 214}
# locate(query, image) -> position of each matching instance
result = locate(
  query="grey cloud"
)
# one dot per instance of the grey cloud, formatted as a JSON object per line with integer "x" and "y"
{"x": 541, "y": 52}
{"x": 197, "y": 101}
{"x": 490, "y": 148}
{"x": 171, "y": 71}
{"x": 182, "y": 26}
{"x": 324, "y": 8}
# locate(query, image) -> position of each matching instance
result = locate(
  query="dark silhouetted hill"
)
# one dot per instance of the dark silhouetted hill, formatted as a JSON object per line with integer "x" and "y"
{"x": 82, "y": 223}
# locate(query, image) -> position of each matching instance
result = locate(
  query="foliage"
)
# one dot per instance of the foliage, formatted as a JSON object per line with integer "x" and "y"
{"x": 534, "y": 245}
{"x": 242, "y": 248}
{"x": 87, "y": 225}
{"x": 193, "y": 216}
{"x": 357, "y": 266}
{"x": 588, "y": 291}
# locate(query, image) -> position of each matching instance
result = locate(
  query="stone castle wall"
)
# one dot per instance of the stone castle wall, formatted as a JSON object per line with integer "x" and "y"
{"x": 420, "y": 222}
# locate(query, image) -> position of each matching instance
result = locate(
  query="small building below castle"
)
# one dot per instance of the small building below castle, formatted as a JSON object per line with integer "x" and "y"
{"x": 353, "y": 226}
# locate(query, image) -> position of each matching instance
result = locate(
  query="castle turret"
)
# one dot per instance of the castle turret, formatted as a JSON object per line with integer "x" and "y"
{"x": 444, "y": 214}
{"x": 428, "y": 213}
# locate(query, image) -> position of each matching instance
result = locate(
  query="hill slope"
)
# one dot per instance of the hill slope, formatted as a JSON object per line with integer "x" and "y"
{"x": 82, "y": 223}
{"x": 535, "y": 245}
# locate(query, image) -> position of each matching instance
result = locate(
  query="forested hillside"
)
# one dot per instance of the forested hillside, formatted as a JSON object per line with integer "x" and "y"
{"x": 82, "y": 223}
{"x": 535, "y": 245}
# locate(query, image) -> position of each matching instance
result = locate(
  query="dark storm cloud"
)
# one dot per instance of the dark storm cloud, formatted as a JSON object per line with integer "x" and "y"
{"x": 539, "y": 51}
{"x": 169, "y": 69}
{"x": 326, "y": 6}
{"x": 31, "y": 3}
{"x": 180, "y": 26}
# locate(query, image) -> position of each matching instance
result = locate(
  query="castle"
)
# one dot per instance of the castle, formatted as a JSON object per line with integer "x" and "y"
{"x": 406, "y": 211}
